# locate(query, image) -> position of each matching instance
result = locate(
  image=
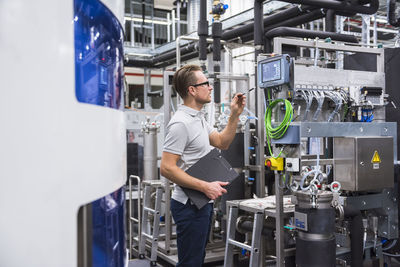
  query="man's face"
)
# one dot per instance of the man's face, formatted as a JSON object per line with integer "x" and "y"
{"x": 202, "y": 90}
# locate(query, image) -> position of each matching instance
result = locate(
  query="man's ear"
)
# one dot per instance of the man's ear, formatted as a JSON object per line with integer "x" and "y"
{"x": 191, "y": 90}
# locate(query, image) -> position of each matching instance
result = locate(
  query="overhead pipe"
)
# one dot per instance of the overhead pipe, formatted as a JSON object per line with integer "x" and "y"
{"x": 305, "y": 18}
{"x": 345, "y": 5}
{"x": 202, "y": 31}
{"x": 152, "y": 62}
{"x": 303, "y": 33}
{"x": 270, "y": 20}
{"x": 392, "y": 14}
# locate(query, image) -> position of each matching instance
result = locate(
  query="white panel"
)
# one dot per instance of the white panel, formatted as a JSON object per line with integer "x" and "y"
{"x": 56, "y": 154}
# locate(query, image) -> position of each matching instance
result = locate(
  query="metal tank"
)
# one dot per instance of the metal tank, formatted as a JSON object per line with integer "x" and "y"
{"x": 315, "y": 221}
{"x": 150, "y": 168}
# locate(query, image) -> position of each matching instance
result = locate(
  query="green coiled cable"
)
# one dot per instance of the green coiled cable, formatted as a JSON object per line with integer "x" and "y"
{"x": 280, "y": 130}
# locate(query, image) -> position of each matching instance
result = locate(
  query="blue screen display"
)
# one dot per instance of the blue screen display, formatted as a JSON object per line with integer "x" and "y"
{"x": 98, "y": 55}
{"x": 271, "y": 71}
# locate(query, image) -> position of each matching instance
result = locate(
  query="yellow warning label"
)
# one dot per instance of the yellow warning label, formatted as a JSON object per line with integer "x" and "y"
{"x": 376, "y": 158}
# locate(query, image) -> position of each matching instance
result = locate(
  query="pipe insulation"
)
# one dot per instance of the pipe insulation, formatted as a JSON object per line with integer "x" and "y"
{"x": 216, "y": 35}
{"x": 202, "y": 31}
{"x": 270, "y": 20}
{"x": 302, "y": 19}
{"x": 296, "y": 32}
{"x": 345, "y": 5}
{"x": 161, "y": 58}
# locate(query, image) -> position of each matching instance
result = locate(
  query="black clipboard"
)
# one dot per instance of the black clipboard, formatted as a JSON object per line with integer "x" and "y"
{"x": 211, "y": 167}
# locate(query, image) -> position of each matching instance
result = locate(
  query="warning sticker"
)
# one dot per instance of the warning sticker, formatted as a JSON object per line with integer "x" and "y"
{"x": 376, "y": 158}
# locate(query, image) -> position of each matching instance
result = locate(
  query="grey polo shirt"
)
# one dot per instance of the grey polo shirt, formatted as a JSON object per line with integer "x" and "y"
{"x": 187, "y": 136}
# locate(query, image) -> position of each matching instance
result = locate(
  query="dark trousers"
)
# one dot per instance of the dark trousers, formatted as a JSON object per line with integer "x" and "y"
{"x": 192, "y": 229}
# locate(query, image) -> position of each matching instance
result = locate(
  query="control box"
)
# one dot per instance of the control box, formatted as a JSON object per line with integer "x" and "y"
{"x": 274, "y": 71}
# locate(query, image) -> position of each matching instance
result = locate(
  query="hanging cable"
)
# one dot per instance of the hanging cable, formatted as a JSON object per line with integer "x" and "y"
{"x": 320, "y": 96}
{"x": 280, "y": 130}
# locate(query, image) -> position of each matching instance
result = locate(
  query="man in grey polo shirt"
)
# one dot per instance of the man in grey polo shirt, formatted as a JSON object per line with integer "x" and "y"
{"x": 190, "y": 137}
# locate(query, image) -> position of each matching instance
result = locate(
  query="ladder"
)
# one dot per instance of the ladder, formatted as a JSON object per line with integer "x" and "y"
{"x": 146, "y": 230}
{"x": 132, "y": 219}
{"x": 254, "y": 249}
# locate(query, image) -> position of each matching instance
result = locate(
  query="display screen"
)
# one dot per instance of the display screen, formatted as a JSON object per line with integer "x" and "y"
{"x": 271, "y": 71}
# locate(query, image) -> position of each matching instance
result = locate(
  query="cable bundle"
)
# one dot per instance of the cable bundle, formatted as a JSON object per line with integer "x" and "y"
{"x": 280, "y": 130}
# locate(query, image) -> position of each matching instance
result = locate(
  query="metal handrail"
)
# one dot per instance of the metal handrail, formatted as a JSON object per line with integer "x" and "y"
{"x": 131, "y": 218}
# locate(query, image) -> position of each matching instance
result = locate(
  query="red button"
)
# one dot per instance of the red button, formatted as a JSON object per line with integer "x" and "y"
{"x": 268, "y": 163}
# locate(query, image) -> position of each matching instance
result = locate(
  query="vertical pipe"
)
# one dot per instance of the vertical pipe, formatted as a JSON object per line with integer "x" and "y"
{"x": 330, "y": 20}
{"x": 258, "y": 43}
{"x": 152, "y": 25}
{"x": 202, "y": 31}
{"x": 280, "y": 255}
{"x": 168, "y": 27}
{"x": 173, "y": 24}
{"x": 178, "y": 18}
{"x": 143, "y": 18}
{"x": 132, "y": 24}
{"x": 216, "y": 35}
{"x": 375, "y": 36}
{"x": 167, "y": 188}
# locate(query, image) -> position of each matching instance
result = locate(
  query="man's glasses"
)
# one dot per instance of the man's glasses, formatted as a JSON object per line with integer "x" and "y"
{"x": 201, "y": 84}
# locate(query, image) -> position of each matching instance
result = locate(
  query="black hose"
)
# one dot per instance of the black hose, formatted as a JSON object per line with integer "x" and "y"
{"x": 356, "y": 235}
{"x": 392, "y": 14}
{"x": 346, "y": 5}
{"x": 296, "y": 32}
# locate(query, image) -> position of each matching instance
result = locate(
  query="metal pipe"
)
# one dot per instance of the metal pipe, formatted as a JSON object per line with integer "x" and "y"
{"x": 296, "y": 32}
{"x": 305, "y": 18}
{"x": 173, "y": 24}
{"x": 330, "y": 20}
{"x": 168, "y": 27}
{"x": 178, "y": 18}
{"x": 143, "y": 19}
{"x": 346, "y": 5}
{"x": 216, "y": 36}
{"x": 130, "y": 213}
{"x": 202, "y": 31}
{"x": 270, "y": 20}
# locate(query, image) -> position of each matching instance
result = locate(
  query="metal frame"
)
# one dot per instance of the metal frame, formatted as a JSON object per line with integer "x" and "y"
{"x": 131, "y": 218}
{"x": 278, "y": 42}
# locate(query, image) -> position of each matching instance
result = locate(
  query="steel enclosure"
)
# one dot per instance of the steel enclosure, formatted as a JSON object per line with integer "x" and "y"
{"x": 354, "y": 166}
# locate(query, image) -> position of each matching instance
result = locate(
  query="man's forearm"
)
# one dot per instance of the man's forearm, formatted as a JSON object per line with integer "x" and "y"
{"x": 181, "y": 178}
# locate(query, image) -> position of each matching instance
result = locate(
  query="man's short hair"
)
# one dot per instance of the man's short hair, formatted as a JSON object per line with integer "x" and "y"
{"x": 183, "y": 78}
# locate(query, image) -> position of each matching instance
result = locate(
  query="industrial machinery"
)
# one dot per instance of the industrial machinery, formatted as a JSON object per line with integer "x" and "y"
{"x": 332, "y": 157}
